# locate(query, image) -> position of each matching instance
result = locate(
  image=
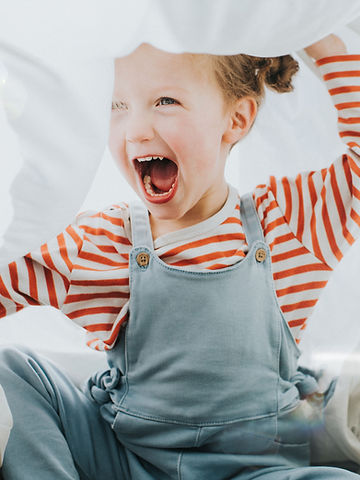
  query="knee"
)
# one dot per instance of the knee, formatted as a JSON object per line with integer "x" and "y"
{"x": 22, "y": 375}
{"x": 11, "y": 353}
{"x": 13, "y": 359}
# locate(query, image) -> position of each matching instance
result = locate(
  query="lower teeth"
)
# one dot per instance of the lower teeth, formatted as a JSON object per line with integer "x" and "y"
{"x": 149, "y": 189}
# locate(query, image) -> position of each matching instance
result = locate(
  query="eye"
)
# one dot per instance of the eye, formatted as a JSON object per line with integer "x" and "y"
{"x": 118, "y": 106}
{"x": 167, "y": 101}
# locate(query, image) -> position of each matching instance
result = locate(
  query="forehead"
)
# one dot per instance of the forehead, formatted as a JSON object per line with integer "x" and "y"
{"x": 151, "y": 66}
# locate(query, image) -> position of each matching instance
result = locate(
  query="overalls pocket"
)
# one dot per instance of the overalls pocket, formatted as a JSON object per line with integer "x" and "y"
{"x": 246, "y": 437}
{"x": 137, "y": 430}
{"x": 292, "y": 442}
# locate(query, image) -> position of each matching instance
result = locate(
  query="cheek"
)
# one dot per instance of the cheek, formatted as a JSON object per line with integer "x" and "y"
{"x": 116, "y": 145}
{"x": 114, "y": 142}
{"x": 118, "y": 154}
{"x": 182, "y": 137}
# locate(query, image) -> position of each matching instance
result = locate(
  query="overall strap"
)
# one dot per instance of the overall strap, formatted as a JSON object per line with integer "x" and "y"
{"x": 140, "y": 226}
{"x": 250, "y": 219}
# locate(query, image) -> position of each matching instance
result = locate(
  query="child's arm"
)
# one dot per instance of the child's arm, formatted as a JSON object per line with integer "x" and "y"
{"x": 83, "y": 272}
{"x": 326, "y": 47}
{"x": 41, "y": 277}
{"x": 322, "y": 208}
{"x": 311, "y": 221}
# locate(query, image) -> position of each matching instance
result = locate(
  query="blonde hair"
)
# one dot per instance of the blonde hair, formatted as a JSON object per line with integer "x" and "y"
{"x": 245, "y": 75}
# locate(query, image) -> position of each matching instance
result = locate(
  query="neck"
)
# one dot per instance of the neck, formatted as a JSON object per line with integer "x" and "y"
{"x": 194, "y": 216}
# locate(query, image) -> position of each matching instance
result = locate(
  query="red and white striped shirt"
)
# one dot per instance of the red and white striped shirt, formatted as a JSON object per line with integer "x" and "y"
{"x": 309, "y": 223}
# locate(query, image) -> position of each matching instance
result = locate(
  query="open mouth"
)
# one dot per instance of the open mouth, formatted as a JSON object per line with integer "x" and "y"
{"x": 158, "y": 177}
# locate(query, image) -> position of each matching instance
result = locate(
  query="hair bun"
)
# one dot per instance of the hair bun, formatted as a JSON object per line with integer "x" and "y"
{"x": 241, "y": 75}
{"x": 277, "y": 72}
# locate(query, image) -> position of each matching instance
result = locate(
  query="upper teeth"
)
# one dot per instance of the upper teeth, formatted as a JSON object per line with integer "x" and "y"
{"x": 147, "y": 159}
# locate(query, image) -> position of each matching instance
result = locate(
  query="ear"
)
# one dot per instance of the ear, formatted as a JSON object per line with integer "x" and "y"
{"x": 241, "y": 117}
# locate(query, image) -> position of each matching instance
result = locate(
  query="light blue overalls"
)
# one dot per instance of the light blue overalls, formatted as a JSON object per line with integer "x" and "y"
{"x": 202, "y": 384}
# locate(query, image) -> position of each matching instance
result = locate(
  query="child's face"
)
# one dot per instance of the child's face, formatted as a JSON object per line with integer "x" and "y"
{"x": 168, "y": 106}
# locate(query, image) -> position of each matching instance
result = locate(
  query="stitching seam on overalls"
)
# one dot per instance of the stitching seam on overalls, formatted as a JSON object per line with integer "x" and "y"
{"x": 178, "y": 466}
{"x": 198, "y": 437}
{"x": 125, "y": 376}
{"x": 195, "y": 424}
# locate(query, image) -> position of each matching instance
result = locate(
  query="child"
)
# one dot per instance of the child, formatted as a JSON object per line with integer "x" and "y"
{"x": 198, "y": 297}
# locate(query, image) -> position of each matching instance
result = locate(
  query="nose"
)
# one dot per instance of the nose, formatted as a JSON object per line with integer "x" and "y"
{"x": 139, "y": 128}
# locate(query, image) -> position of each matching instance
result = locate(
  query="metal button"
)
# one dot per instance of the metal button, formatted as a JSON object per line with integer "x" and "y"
{"x": 143, "y": 259}
{"x": 260, "y": 254}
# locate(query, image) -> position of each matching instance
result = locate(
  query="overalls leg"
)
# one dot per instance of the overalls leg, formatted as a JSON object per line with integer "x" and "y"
{"x": 58, "y": 432}
{"x": 301, "y": 473}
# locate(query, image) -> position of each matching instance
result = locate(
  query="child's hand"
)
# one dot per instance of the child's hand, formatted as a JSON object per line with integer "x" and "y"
{"x": 326, "y": 47}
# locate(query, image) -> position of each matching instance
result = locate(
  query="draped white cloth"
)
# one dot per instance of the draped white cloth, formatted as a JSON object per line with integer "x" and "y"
{"x": 57, "y": 85}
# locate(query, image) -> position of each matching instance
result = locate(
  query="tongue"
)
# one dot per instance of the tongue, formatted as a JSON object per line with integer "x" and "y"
{"x": 163, "y": 174}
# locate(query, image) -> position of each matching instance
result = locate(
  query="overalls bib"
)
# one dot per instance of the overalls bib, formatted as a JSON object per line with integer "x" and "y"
{"x": 203, "y": 382}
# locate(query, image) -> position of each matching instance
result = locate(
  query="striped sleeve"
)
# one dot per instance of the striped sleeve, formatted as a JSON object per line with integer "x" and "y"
{"x": 42, "y": 277}
{"x": 322, "y": 207}
{"x": 83, "y": 272}
{"x": 98, "y": 297}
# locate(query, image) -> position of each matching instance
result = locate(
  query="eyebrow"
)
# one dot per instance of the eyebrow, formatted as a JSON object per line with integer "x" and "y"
{"x": 117, "y": 98}
{"x": 172, "y": 87}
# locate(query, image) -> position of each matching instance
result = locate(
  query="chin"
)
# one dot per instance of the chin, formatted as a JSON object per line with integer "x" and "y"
{"x": 166, "y": 212}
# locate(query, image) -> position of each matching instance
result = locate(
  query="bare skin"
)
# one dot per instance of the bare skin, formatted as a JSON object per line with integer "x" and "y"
{"x": 326, "y": 47}
{"x": 176, "y": 110}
